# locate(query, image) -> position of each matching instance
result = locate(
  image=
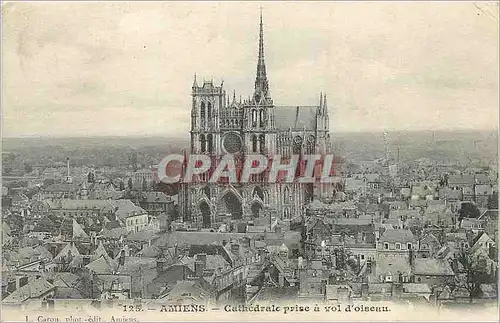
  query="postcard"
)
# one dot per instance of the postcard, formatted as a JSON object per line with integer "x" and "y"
{"x": 249, "y": 161}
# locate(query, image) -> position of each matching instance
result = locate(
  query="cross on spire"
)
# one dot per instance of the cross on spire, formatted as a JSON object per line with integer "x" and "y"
{"x": 261, "y": 83}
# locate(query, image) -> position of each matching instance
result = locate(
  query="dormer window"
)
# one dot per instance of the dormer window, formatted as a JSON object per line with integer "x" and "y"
{"x": 398, "y": 246}
{"x": 409, "y": 245}
{"x": 386, "y": 245}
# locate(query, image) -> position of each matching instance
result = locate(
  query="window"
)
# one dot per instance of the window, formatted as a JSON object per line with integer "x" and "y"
{"x": 386, "y": 245}
{"x": 398, "y": 246}
{"x": 203, "y": 143}
{"x": 210, "y": 143}
{"x": 254, "y": 118}
{"x": 409, "y": 246}
{"x": 202, "y": 112}
{"x": 362, "y": 257}
{"x": 388, "y": 278}
{"x": 209, "y": 111}
{"x": 262, "y": 142}
{"x": 261, "y": 118}
{"x": 254, "y": 143}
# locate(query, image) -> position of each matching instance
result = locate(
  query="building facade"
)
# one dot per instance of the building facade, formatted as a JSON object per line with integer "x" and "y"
{"x": 221, "y": 126}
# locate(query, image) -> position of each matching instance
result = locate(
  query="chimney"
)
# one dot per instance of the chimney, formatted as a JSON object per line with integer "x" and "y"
{"x": 202, "y": 257}
{"x": 454, "y": 265}
{"x": 122, "y": 258}
{"x": 160, "y": 263}
{"x": 23, "y": 281}
{"x": 11, "y": 286}
{"x": 369, "y": 266}
{"x": 86, "y": 261}
{"x": 199, "y": 267}
{"x": 235, "y": 248}
{"x": 246, "y": 242}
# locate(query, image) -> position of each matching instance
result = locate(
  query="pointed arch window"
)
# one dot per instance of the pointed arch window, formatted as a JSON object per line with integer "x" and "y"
{"x": 286, "y": 196}
{"x": 210, "y": 143}
{"x": 254, "y": 118}
{"x": 254, "y": 143}
{"x": 261, "y": 118}
{"x": 262, "y": 143}
{"x": 203, "y": 143}
{"x": 209, "y": 111}
{"x": 202, "y": 111}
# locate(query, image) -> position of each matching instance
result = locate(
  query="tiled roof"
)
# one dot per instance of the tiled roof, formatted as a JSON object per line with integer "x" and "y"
{"x": 277, "y": 294}
{"x": 105, "y": 281}
{"x": 156, "y": 197}
{"x": 397, "y": 214}
{"x": 432, "y": 267}
{"x": 34, "y": 289}
{"x": 416, "y": 288}
{"x": 103, "y": 265}
{"x": 461, "y": 179}
{"x": 296, "y": 118}
{"x": 353, "y": 221}
{"x": 484, "y": 189}
{"x": 397, "y": 235}
{"x": 393, "y": 265}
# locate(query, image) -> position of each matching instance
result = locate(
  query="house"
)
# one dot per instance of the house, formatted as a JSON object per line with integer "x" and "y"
{"x": 423, "y": 190}
{"x": 373, "y": 181}
{"x": 491, "y": 222}
{"x": 397, "y": 240}
{"x": 450, "y": 195}
{"x": 458, "y": 182}
{"x": 473, "y": 224}
{"x": 403, "y": 214}
{"x": 432, "y": 271}
{"x": 134, "y": 217}
{"x": 482, "y": 194}
{"x": 438, "y": 215}
{"x": 429, "y": 245}
{"x": 391, "y": 268}
{"x": 186, "y": 292}
{"x": 113, "y": 286}
{"x": 156, "y": 203}
{"x": 39, "y": 291}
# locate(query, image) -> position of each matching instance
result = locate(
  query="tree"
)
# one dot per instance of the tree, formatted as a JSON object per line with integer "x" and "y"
{"x": 130, "y": 184}
{"x": 474, "y": 273}
{"x": 468, "y": 210}
{"x": 28, "y": 168}
{"x": 133, "y": 160}
{"x": 90, "y": 177}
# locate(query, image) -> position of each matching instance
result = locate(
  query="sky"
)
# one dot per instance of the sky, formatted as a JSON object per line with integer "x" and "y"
{"x": 126, "y": 68}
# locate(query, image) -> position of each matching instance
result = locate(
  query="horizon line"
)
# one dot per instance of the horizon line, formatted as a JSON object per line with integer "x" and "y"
{"x": 160, "y": 135}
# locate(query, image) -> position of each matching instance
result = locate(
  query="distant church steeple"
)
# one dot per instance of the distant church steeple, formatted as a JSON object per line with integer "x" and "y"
{"x": 261, "y": 83}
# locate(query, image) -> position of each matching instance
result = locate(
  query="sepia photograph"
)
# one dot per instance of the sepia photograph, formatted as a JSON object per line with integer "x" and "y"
{"x": 275, "y": 161}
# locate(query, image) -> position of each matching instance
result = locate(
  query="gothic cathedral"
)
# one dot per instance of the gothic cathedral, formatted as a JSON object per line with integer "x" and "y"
{"x": 220, "y": 126}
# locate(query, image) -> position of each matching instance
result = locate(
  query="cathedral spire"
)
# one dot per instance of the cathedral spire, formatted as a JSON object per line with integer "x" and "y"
{"x": 325, "y": 106}
{"x": 261, "y": 83}
{"x": 195, "y": 83}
